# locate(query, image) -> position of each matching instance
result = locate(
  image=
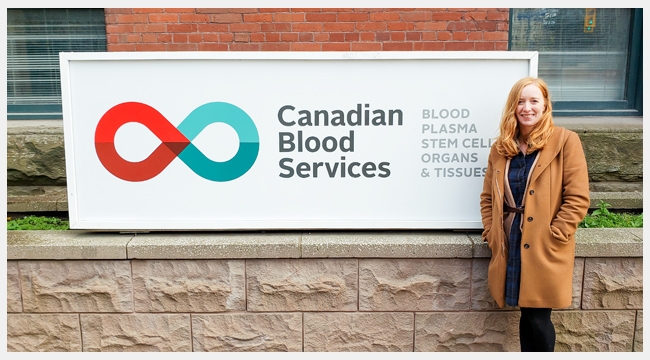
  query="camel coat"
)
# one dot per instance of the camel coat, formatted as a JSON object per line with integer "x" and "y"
{"x": 556, "y": 200}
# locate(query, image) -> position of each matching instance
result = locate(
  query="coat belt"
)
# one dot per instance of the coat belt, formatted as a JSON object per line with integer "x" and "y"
{"x": 510, "y": 209}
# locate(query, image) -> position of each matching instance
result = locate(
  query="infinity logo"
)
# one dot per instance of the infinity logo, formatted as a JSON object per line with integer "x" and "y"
{"x": 176, "y": 142}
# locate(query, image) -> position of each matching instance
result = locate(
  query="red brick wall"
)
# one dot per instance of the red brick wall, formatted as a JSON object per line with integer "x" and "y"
{"x": 306, "y": 29}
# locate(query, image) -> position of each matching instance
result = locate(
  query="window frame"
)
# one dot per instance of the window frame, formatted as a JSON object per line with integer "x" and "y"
{"x": 633, "y": 105}
{"x": 39, "y": 111}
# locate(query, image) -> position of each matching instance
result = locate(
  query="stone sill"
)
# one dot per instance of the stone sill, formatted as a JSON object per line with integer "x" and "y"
{"x": 84, "y": 245}
{"x": 599, "y": 124}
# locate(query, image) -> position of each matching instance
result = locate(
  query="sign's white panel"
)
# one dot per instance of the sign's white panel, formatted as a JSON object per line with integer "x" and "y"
{"x": 202, "y": 141}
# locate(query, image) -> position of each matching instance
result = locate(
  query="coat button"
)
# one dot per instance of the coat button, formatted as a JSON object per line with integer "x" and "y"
{"x": 526, "y": 246}
{"x": 531, "y": 192}
{"x": 530, "y": 218}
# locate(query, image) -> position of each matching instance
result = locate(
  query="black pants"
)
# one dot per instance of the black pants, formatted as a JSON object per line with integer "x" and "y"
{"x": 536, "y": 331}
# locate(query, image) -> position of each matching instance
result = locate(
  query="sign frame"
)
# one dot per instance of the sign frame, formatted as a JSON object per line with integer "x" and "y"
{"x": 68, "y": 62}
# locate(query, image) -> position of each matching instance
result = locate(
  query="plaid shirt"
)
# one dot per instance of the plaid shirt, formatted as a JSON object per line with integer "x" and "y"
{"x": 517, "y": 177}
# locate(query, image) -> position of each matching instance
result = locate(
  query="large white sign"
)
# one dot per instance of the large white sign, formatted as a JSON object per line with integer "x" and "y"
{"x": 282, "y": 140}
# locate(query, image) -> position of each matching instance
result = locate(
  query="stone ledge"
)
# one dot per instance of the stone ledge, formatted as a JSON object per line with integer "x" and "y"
{"x": 628, "y": 200}
{"x": 601, "y": 124}
{"x": 214, "y": 246}
{"x": 34, "y": 127}
{"x": 65, "y": 245}
{"x": 37, "y": 198}
{"x": 79, "y": 245}
{"x": 619, "y": 242}
{"x": 389, "y": 244}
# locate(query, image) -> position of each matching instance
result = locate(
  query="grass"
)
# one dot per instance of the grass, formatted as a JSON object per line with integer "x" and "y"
{"x": 33, "y": 222}
{"x": 603, "y": 218}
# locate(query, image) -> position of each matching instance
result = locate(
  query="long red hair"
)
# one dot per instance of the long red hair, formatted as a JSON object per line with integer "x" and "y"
{"x": 506, "y": 143}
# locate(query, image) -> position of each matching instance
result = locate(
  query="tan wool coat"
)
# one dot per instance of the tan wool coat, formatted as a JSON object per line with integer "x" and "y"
{"x": 556, "y": 200}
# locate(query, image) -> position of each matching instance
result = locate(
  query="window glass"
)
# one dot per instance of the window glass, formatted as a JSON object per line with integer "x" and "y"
{"x": 34, "y": 39}
{"x": 583, "y": 53}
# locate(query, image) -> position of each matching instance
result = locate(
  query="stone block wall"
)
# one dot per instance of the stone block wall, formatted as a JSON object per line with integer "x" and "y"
{"x": 77, "y": 301}
{"x": 613, "y": 147}
{"x": 614, "y": 151}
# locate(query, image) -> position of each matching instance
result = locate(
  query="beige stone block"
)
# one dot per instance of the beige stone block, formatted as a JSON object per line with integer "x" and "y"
{"x": 467, "y": 332}
{"x": 414, "y": 284}
{"x": 481, "y": 298}
{"x": 638, "y": 332}
{"x": 136, "y": 332}
{"x": 594, "y": 331}
{"x": 302, "y": 285}
{"x": 14, "y": 303}
{"x": 76, "y": 286}
{"x": 188, "y": 285}
{"x": 359, "y": 332}
{"x": 578, "y": 272}
{"x": 247, "y": 332}
{"x": 43, "y": 332}
{"x": 613, "y": 283}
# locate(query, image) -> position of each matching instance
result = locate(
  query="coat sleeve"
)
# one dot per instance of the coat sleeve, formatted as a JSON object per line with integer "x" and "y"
{"x": 486, "y": 198}
{"x": 575, "y": 189}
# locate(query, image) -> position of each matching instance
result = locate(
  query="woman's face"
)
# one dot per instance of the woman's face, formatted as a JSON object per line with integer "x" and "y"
{"x": 530, "y": 108}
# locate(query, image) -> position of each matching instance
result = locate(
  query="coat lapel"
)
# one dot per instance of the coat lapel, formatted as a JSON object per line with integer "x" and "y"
{"x": 500, "y": 163}
{"x": 549, "y": 152}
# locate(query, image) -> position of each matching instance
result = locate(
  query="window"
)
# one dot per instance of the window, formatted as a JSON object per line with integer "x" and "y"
{"x": 34, "y": 39}
{"x": 590, "y": 58}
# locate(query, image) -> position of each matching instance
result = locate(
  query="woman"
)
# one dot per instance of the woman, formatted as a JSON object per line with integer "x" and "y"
{"x": 536, "y": 191}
